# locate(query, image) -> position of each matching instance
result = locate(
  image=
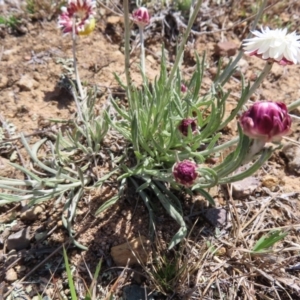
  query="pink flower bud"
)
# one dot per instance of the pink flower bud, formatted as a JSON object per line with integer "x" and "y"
{"x": 183, "y": 88}
{"x": 141, "y": 17}
{"x": 267, "y": 121}
{"x": 185, "y": 172}
{"x": 185, "y": 124}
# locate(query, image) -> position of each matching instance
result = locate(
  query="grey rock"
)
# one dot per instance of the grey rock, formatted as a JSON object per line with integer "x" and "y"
{"x": 244, "y": 188}
{"x": 136, "y": 292}
{"x": 292, "y": 153}
{"x": 19, "y": 240}
{"x": 216, "y": 216}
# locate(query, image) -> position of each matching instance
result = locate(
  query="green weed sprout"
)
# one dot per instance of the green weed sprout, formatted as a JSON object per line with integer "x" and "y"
{"x": 11, "y": 21}
{"x": 267, "y": 241}
{"x": 90, "y": 293}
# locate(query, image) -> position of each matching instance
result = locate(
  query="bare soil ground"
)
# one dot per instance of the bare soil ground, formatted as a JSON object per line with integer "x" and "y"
{"x": 31, "y": 66}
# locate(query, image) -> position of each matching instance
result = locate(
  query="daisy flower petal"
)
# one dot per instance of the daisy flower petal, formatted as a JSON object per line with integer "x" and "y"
{"x": 274, "y": 45}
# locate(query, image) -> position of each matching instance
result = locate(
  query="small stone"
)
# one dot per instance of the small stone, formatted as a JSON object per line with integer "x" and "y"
{"x": 289, "y": 150}
{"x": 124, "y": 252}
{"x": 27, "y": 83}
{"x": 113, "y": 20}
{"x": 136, "y": 292}
{"x": 253, "y": 76}
{"x": 221, "y": 251}
{"x": 19, "y": 240}
{"x": 32, "y": 213}
{"x": 3, "y": 81}
{"x": 292, "y": 153}
{"x": 244, "y": 188}
{"x": 226, "y": 49}
{"x": 5, "y": 168}
{"x": 20, "y": 269}
{"x": 40, "y": 235}
{"x": 151, "y": 59}
{"x": 37, "y": 76}
{"x": 216, "y": 216}
{"x": 11, "y": 275}
{"x": 242, "y": 68}
{"x": 294, "y": 166}
{"x": 270, "y": 181}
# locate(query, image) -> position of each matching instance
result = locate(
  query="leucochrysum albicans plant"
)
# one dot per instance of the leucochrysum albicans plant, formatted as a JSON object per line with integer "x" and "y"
{"x": 64, "y": 172}
{"x": 170, "y": 129}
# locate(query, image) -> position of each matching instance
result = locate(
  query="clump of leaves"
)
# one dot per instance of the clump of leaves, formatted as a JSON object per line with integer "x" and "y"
{"x": 11, "y": 22}
{"x": 266, "y": 242}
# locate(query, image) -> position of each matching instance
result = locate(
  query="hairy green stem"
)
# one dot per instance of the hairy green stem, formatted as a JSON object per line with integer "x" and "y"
{"x": 220, "y": 147}
{"x": 143, "y": 66}
{"x": 294, "y": 105}
{"x": 127, "y": 46}
{"x": 255, "y": 148}
{"x": 264, "y": 73}
{"x": 76, "y": 73}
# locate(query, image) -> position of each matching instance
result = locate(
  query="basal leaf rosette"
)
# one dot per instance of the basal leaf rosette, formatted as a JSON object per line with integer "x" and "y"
{"x": 267, "y": 121}
{"x": 82, "y": 12}
{"x": 274, "y": 46}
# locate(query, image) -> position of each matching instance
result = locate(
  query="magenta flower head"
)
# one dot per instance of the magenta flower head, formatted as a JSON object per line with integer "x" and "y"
{"x": 183, "y": 88}
{"x": 141, "y": 17}
{"x": 82, "y": 12}
{"x": 267, "y": 121}
{"x": 185, "y": 172}
{"x": 185, "y": 124}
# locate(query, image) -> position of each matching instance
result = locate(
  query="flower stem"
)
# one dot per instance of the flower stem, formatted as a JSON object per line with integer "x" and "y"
{"x": 127, "y": 46}
{"x": 141, "y": 30}
{"x": 220, "y": 147}
{"x": 258, "y": 81}
{"x": 293, "y": 105}
{"x": 183, "y": 42}
{"x": 76, "y": 73}
{"x": 256, "y": 147}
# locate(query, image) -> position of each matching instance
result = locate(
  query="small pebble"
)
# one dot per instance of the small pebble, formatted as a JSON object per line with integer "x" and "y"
{"x": 11, "y": 275}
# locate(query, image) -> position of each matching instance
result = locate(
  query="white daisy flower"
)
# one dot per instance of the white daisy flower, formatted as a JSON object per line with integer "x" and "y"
{"x": 274, "y": 45}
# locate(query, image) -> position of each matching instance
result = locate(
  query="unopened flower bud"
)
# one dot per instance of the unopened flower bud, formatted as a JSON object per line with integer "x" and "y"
{"x": 183, "y": 88}
{"x": 185, "y": 124}
{"x": 141, "y": 17}
{"x": 185, "y": 172}
{"x": 267, "y": 121}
